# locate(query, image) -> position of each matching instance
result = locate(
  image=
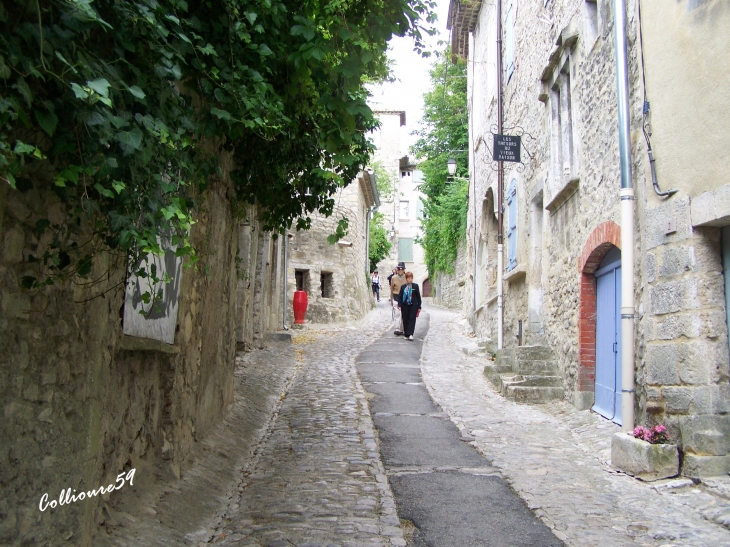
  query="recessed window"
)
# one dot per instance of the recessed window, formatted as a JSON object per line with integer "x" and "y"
{"x": 512, "y": 226}
{"x": 404, "y": 210}
{"x": 590, "y": 16}
{"x": 509, "y": 45}
{"x": 561, "y": 112}
{"x": 302, "y": 279}
{"x": 327, "y": 285}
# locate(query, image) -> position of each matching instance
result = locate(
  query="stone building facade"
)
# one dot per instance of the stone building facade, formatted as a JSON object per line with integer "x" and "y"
{"x": 335, "y": 277}
{"x": 562, "y": 207}
{"x": 404, "y": 210}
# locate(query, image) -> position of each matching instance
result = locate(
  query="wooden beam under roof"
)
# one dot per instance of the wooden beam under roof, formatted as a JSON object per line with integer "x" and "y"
{"x": 462, "y": 18}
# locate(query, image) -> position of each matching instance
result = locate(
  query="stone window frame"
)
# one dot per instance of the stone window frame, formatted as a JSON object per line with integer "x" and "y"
{"x": 401, "y": 209}
{"x": 591, "y": 23}
{"x": 558, "y": 95}
{"x": 327, "y": 284}
{"x": 302, "y": 280}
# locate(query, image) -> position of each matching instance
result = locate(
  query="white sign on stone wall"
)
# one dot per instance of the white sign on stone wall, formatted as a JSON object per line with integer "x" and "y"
{"x": 158, "y": 318}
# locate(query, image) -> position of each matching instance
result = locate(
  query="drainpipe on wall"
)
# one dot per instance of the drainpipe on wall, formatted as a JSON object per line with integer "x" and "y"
{"x": 286, "y": 237}
{"x": 500, "y": 190}
{"x": 368, "y": 216}
{"x": 627, "y": 220}
{"x": 473, "y": 196}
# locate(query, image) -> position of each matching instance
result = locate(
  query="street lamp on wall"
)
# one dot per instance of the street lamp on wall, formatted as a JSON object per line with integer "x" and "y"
{"x": 392, "y": 231}
{"x": 451, "y": 166}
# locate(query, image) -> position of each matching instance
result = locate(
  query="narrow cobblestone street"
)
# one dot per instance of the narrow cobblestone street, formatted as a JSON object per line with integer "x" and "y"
{"x": 304, "y": 468}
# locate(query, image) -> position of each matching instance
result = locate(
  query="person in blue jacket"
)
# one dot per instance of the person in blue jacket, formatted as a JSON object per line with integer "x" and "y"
{"x": 409, "y": 304}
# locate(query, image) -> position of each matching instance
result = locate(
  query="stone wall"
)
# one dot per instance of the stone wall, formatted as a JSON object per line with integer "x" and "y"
{"x": 684, "y": 369}
{"x": 260, "y": 278}
{"x": 448, "y": 289}
{"x": 81, "y": 401}
{"x": 335, "y": 277}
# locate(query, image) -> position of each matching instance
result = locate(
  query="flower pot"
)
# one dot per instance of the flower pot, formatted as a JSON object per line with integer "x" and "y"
{"x": 643, "y": 460}
{"x": 300, "y": 306}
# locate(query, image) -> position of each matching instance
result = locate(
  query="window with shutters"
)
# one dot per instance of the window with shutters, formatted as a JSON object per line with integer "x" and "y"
{"x": 512, "y": 226}
{"x": 405, "y": 249}
{"x": 509, "y": 40}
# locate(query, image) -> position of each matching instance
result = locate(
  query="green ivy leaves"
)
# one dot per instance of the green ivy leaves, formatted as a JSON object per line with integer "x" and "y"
{"x": 123, "y": 109}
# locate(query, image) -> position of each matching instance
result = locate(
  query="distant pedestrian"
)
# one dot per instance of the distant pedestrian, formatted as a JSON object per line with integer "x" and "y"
{"x": 390, "y": 286}
{"x": 410, "y": 305}
{"x": 395, "y": 284}
{"x": 375, "y": 282}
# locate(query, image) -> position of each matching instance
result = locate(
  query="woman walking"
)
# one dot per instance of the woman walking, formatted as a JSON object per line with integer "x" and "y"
{"x": 409, "y": 305}
{"x": 375, "y": 281}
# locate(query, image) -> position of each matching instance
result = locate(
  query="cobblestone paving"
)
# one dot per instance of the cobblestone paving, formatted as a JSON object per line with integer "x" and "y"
{"x": 317, "y": 479}
{"x": 558, "y": 459}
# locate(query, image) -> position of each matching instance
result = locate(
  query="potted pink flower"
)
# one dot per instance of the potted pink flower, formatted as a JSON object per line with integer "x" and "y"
{"x": 656, "y": 435}
{"x": 645, "y": 453}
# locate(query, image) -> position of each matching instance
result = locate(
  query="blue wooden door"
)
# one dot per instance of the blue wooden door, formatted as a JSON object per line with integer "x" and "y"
{"x": 608, "y": 337}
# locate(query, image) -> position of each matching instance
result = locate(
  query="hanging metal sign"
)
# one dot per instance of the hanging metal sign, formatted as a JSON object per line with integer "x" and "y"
{"x": 506, "y": 148}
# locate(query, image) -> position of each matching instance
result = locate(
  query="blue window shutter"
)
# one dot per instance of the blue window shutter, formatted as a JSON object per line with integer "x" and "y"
{"x": 512, "y": 226}
{"x": 405, "y": 249}
{"x": 509, "y": 46}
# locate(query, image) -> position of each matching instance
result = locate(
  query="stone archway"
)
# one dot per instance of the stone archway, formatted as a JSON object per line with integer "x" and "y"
{"x": 606, "y": 236}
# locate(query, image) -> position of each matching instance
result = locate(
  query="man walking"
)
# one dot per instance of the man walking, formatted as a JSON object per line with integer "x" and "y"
{"x": 396, "y": 282}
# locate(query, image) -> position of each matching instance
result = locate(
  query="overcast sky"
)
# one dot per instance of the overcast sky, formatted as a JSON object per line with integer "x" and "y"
{"x": 411, "y": 71}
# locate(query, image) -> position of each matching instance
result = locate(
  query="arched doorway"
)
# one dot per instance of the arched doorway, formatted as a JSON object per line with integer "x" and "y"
{"x": 601, "y": 255}
{"x": 608, "y": 337}
{"x": 426, "y": 287}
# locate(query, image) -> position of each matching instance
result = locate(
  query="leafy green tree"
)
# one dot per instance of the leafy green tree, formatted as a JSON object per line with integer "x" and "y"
{"x": 384, "y": 179}
{"x": 444, "y": 132}
{"x": 380, "y": 244}
{"x": 444, "y": 135}
{"x": 128, "y": 109}
{"x": 444, "y": 227}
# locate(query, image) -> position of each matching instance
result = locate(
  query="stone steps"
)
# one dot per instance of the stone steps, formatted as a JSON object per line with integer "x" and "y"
{"x": 527, "y": 374}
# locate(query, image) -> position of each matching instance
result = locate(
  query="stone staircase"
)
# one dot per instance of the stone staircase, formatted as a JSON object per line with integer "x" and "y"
{"x": 526, "y": 374}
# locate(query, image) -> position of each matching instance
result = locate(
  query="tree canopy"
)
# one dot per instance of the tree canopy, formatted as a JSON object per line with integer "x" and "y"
{"x": 124, "y": 109}
{"x": 444, "y": 134}
{"x": 444, "y": 131}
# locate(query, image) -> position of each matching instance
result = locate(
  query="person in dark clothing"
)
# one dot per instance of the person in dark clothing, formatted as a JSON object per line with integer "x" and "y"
{"x": 409, "y": 303}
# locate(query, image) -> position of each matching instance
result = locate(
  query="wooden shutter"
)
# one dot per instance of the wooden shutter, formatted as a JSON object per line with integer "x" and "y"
{"x": 405, "y": 249}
